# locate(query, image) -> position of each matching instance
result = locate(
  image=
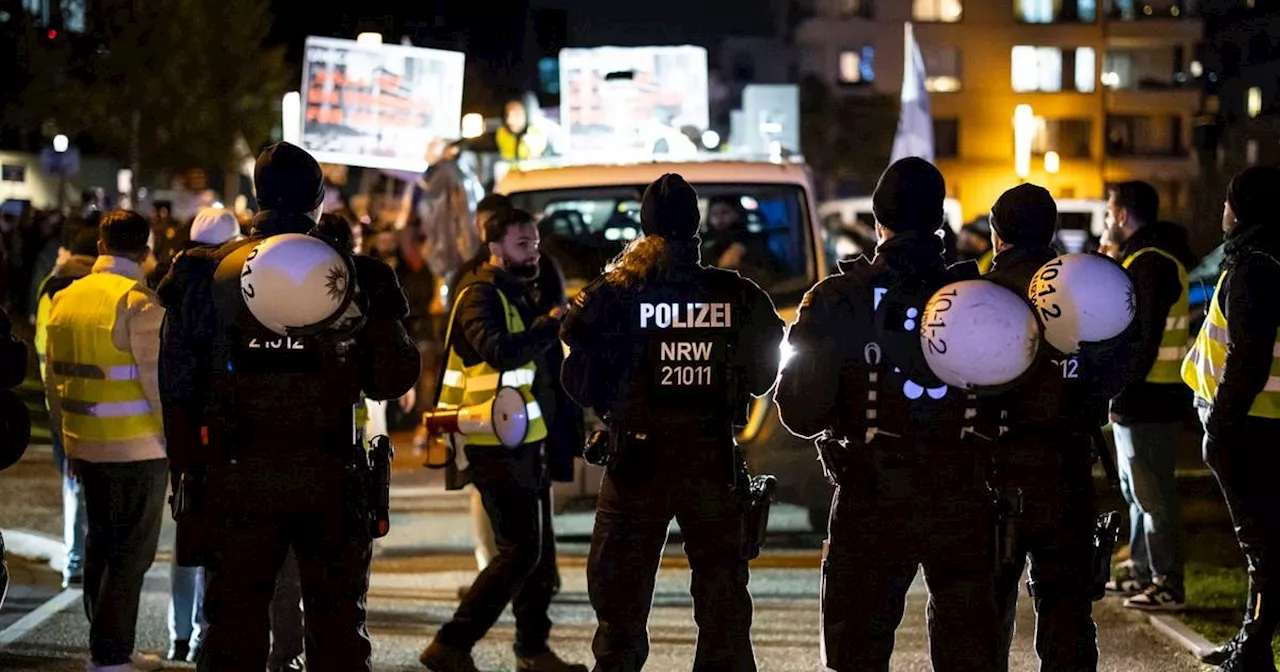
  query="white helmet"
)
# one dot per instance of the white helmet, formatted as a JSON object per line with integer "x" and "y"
{"x": 296, "y": 284}
{"x": 1081, "y": 297}
{"x": 978, "y": 334}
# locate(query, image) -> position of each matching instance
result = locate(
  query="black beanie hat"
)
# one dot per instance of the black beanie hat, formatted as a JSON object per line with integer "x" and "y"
{"x": 1025, "y": 215}
{"x": 1254, "y": 195}
{"x": 670, "y": 208}
{"x": 288, "y": 179}
{"x": 909, "y": 197}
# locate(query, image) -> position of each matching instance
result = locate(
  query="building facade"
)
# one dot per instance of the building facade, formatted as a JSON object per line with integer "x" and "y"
{"x": 1112, "y": 85}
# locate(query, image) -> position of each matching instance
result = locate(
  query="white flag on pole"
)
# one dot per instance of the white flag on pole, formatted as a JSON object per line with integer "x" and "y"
{"x": 915, "y": 122}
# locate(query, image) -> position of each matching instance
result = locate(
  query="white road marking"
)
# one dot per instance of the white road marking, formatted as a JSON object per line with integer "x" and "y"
{"x": 37, "y": 617}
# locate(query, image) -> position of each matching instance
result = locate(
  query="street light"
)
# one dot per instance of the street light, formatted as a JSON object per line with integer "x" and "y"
{"x": 1024, "y": 128}
{"x": 472, "y": 126}
{"x": 710, "y": 139}
{"x": 1051, "y": 160}
{"x": 291, "y": 117}
{"x": 369, "y": 38}
{"x": 60, "y": 143}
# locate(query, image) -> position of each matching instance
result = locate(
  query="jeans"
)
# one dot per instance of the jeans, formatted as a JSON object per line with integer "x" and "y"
{"x": 75, "y": 525}
{"x": 1145, "y": 458}
{"x": 125, "y": 502}
{"x": 186, "y": 605}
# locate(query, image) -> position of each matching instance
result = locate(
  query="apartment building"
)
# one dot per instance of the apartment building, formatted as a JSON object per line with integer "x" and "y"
{"x": 1112, "y": 86}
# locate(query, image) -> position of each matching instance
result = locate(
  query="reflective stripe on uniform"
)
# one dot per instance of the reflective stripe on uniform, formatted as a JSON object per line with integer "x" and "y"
{"x": 1203, "y": 367}
{"x": 1173, "y": 340}
{"x": 463, "y": 385}
{"x": 125, "y": 372}
{"x": 106, "y": 409}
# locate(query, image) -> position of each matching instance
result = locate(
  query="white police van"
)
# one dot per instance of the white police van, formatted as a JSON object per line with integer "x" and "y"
{"x": 588, "y": 213}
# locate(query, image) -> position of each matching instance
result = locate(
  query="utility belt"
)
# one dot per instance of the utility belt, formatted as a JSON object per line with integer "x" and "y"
{"x": 611, "y": 446}
{"x": 366, "y": 494}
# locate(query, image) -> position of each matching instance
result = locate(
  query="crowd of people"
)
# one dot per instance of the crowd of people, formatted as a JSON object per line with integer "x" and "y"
{"x": 145, "y": 338}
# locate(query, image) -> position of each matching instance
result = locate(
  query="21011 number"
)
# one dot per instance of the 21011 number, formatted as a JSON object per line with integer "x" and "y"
{"x": 686, "y": 375}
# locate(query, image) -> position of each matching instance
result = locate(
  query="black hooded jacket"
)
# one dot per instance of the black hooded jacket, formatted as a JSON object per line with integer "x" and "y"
{"x": 825, "y": 384}
{"x": 1247, "y": 299}
{"x": 1156, "y": 288}
{"x": 386, "y": 360}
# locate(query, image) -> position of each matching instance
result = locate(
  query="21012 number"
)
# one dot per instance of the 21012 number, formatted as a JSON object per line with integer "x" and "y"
{"x": 286, "y": 343}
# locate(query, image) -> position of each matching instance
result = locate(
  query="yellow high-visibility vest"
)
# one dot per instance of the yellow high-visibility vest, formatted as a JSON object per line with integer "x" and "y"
{"x": 985, "y": 261}
{"x": 477, "y": 384}
{"x": 43, "y": 307}
{"x": 98, "y": 385}
{"x": 1177, "y": 325}
{"x": 532, "y": 144}
{"x": 1202, "y": 369}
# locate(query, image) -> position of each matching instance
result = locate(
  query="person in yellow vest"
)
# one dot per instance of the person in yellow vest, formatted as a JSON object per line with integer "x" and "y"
{"x": 1147, "y": 415}
{"x": 974, "y": 243}
{"x": 101, "y": 359}
{"x": 495, "y": 338}
{"x": 1234, "y": 370}
{"x": 517, "y": 139}
{"x": 75, "y": 260}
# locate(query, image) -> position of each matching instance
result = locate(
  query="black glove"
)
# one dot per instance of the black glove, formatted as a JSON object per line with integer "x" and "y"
{"x": 384, "y": 297}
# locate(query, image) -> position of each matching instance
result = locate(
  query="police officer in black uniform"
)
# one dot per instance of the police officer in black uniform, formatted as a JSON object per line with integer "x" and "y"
{"x": 1043, "y": 437}
{"x": 908, "y": 493}
{"x": 669, "y": 351}
{"x": 263, "y": 442}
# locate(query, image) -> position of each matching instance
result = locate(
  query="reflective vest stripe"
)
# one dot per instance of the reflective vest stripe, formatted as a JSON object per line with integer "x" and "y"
{"x": 1173, "y": 341}
{"x": 463, "y": 385}
{"x": 1202, "y": 368}
{"x": 125, "y": 372}
{"x": 98, "y": 385}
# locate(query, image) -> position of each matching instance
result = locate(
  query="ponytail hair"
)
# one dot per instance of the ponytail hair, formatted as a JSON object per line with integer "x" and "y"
{"x": 650, "y": 258}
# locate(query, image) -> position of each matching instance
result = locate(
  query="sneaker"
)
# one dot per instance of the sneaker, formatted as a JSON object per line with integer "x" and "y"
{"x": 179, "y": 651}
{"x": 440, "y": 658}
{"x": 547, "y": 662}
{"x": 1125, "y": 587}
{"x": 1156, "y": 598}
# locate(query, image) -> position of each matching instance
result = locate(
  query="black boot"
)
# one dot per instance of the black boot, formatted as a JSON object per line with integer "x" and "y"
{"x": 1250, "y": 649}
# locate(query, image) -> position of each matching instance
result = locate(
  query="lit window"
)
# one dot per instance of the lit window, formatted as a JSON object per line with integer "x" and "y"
{"x": 1255, "y": 101}
{"x": 1055, "y": 11}
{"x": 1251, "y": 152}
{"x": 1051, "y": 69}
{"x": 942, "y": 69}
{"x": 1086, "y": 63}
{"x": 857, "y": 66}
{"x": 946, "y": 11}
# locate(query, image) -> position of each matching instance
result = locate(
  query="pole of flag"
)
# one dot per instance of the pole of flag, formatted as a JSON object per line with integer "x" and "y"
{"x": 915, "y": 121}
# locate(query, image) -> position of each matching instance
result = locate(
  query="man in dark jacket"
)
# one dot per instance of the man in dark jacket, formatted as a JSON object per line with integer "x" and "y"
{"x": 908, "y": 494}
{"x": 268, "y": 435}
{"x": 496, "y": 337}
{"x": 1045, "y": 454}
{"x": 1148, "y": 414}
{"x": 1234, "y": 369}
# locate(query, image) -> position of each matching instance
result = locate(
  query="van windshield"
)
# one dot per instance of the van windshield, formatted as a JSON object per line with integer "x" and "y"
{"x": 760, "y": 230}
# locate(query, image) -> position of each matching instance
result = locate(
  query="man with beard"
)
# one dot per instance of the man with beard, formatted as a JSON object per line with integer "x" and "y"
{"x": 496, "y": 337}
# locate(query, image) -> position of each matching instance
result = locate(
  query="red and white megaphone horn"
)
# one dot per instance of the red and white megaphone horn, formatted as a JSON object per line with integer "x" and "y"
{"x": 506, "y": 417}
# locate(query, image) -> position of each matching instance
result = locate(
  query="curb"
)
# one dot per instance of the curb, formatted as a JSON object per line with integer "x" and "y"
{"x": 36, "y": 547}
{"x": 1178, "y": 633}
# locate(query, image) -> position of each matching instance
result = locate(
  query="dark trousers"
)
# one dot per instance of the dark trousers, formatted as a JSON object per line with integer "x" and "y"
{"x": 522, "y": 574}
{"x": 687, "y": 480}
{"x": 1244, "y": 464}
{"x": 258, "y": 511}
{"x": 1056, "y": 531}
{"x": 287, "y": 632}
{"x": 898, "y": 516}
{"x": 125, "y": 502}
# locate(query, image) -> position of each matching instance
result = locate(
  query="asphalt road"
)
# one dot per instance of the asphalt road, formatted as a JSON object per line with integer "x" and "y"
{"x": 420, "y": 567}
